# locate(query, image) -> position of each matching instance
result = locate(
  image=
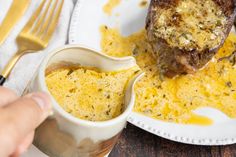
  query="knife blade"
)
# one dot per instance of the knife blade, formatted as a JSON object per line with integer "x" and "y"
{"x": 14, "y": 14}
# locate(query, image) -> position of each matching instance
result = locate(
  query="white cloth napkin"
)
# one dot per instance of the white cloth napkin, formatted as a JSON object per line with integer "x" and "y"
{"x": 26, "y": 67}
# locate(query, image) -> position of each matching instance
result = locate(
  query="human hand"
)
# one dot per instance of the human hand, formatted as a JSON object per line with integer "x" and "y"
{"x": 18, "y": 119}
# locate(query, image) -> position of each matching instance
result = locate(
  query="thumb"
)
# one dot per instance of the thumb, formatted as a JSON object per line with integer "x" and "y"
{"x": 20, "y": 118}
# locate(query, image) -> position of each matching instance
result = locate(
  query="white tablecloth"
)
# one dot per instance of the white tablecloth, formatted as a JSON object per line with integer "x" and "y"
{"x": 27, "y": 66}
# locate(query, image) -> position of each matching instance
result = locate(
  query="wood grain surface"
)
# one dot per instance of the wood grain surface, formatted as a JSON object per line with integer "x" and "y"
{"x": 135, "y": 142}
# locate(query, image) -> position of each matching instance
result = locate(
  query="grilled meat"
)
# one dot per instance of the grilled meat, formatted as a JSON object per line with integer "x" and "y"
{"x": 186, "y": 34}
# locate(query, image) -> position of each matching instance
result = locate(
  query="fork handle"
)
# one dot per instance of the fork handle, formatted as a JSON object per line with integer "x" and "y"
{"x": 10, "y": 65}
{"x": 2, "y": 80}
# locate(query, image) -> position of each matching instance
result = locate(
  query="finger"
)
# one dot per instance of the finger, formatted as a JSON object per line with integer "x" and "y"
{"x": 20, "y": 118}
{"x": 25, "y": 144}
{"x": 7, "y": 96}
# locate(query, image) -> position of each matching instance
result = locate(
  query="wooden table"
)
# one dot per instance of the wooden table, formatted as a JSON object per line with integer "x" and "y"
{"x": 135, "y": 142}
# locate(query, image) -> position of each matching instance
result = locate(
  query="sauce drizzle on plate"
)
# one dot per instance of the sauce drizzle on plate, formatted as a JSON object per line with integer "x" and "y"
{"x": 173, "y": 100}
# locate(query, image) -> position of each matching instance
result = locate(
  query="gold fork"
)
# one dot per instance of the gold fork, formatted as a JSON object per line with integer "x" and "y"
{"x": 36, "y": 34}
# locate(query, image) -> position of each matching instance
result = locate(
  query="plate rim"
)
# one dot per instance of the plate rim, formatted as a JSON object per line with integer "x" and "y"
{"x": 133, "y": 118}
{"x": 73, "y": 22}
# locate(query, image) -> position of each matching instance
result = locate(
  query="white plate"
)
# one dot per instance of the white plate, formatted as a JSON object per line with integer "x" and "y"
{"x": 88, "y": 17}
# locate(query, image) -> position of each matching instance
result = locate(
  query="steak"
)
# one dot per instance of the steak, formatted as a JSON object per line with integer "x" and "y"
{"x": 186, "y": 34}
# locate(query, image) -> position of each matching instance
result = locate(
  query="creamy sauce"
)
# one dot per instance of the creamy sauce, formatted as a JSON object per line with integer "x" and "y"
{"x": 199, "y": 120}
{"x": 173, "y": 100}
{"x": 143, "y": 3}
{"x": 110, "y": 5}
{"x": 88, "y": 93}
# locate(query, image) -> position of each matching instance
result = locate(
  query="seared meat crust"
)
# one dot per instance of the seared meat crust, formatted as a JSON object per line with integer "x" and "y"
{"x": 181, "y": 56}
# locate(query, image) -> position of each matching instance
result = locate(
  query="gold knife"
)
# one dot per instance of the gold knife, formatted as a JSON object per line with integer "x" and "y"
{"x": 14, "y": 14}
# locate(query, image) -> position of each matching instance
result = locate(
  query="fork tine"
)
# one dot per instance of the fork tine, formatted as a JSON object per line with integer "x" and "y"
{"x": 53, "y": 23}
{"x": 49, "y": 18}
{"x": 31, "y": 22}
{"x": 41, "y": 20}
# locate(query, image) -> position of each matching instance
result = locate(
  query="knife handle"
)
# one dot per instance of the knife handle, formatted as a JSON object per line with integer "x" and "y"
{"x": 2, "y": 80}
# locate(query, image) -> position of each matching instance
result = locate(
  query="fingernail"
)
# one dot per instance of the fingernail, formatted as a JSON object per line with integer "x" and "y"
{"x": 42, "y": 100}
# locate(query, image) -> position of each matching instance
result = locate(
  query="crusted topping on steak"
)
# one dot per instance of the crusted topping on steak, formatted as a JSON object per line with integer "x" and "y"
{"x": 191, "y": 24}
{"x": 186, "y": 34}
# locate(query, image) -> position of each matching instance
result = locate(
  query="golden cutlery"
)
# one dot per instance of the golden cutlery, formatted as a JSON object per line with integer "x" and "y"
{"x": 14, "y": 14}
{"x": 36, "y": 34}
